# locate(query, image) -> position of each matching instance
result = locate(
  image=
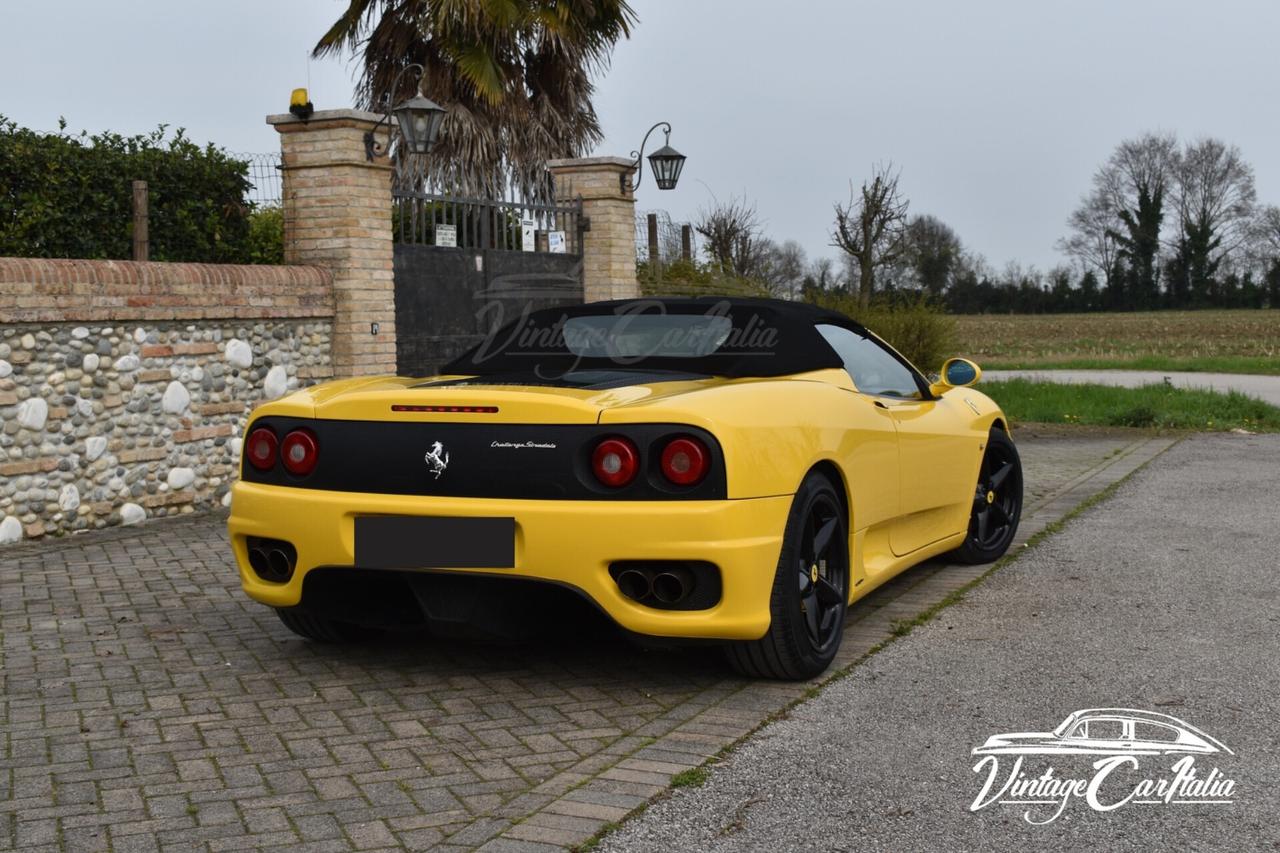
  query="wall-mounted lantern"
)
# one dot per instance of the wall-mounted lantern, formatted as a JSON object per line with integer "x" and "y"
{"x": 666, "y": 163}
{"x": 419, "y": 119}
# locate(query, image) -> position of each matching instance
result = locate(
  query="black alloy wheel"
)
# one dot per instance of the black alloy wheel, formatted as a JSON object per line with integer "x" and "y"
{"x": 997, "y": 502}
{"x": 810, "y": 591}
{"x": 823, "y": 580}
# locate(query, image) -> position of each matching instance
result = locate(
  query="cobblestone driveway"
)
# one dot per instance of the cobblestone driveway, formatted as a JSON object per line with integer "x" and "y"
{"x": 147, "y": 704}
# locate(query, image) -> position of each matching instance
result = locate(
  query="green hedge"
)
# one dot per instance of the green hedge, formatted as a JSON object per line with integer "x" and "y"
{"x": 68, "y": 196}
{"x": 265, "y": 243}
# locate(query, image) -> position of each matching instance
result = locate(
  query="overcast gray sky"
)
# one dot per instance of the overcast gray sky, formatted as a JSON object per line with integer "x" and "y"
{"x": 997, "y": 111}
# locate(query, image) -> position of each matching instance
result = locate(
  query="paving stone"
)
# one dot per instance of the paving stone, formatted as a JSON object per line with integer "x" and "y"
{"x": 146, "y": 704}
{"x": 370, "y": 835}
{"x": 594, "y": 811}
{"x": 512, "y": 845}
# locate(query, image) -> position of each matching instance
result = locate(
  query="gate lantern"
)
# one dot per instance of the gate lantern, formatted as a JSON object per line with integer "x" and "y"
{"x": 419, "y": 119}
{"x": 666, "y": 162}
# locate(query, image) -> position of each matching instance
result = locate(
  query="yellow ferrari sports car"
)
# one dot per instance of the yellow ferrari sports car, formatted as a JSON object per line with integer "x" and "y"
{"x": 733, "y": 470}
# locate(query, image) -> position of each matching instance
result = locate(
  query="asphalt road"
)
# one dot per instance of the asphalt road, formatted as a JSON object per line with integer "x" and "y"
{"x": 1263, "y": 387}
{"x": 1163, "y": 598}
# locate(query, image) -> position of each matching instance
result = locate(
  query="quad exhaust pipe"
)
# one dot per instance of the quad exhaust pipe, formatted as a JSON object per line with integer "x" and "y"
{"x": 258, "y": 561}
{"x": 673, "y": 586}
{"x": 279, "y": 562}
{"x": 635, "y": 584}
{"x": 668, "y": 584}
{"x": 271, "y": 559}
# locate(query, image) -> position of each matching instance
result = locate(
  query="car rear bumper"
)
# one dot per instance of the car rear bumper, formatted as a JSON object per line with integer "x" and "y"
{"x": 560, "y": 541}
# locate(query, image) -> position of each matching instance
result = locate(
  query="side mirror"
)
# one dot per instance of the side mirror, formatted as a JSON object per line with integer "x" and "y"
{"x": 956, "y": 373}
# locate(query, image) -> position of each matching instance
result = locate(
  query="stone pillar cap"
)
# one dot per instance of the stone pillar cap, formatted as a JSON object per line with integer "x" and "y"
{"x": 586, "y": 163}
{"x": 326, "y": 118}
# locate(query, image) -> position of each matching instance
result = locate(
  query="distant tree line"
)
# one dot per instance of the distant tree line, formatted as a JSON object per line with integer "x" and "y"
{"x": 1169, "y": 225}
{"x": 1165, "y": 225}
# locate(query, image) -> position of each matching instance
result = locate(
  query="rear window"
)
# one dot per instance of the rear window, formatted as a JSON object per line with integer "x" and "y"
{"x": 638, "y": 336}
{"x": 712, "y": 336}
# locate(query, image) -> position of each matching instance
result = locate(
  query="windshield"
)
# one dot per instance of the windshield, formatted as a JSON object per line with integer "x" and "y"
{"x": 630, "y": 336}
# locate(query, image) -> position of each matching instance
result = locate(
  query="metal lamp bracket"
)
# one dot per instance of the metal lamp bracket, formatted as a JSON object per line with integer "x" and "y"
{"x": 624, "y": 185}
{"x": 372, "y": 148}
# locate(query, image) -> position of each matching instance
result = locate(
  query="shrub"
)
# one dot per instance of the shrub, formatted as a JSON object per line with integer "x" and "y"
{"x": 66, "y": 196}
{"x": 689, "y": 278}
{"x": 265, "y": 241}
{"x": 915, "y": 327}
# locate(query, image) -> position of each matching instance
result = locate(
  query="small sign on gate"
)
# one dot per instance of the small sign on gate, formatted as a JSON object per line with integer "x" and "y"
{"x": 447, "y": 235}
{"x": 528, "y": 230}
{"x": 555, "y": 242}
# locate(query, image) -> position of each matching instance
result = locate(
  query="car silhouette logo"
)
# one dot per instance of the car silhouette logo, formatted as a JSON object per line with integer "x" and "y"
{"x": 1108, "y": 731}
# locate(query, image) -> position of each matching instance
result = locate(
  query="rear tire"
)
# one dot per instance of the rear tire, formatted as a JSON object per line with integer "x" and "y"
{"x": 321, "y": 629}
{"x": 997, "y": 503}
{"x": 810, "y": 591}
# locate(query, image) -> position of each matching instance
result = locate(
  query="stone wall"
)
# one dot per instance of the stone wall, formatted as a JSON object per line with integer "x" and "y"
{"x": 125, "y": 387}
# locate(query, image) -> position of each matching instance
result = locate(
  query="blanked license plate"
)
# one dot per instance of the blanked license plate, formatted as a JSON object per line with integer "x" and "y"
{"x": 433, "y": 542}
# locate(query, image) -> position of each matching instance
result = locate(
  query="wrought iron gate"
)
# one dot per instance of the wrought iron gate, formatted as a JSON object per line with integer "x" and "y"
{"x": 465, "y": 266}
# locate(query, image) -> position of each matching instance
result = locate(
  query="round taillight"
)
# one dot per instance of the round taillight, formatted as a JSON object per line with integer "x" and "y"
{"x": 685, "y": 461}
{"x": 261, "y": 449}
{"x": 299, "y": 451}
{"x": 615, "y": 461}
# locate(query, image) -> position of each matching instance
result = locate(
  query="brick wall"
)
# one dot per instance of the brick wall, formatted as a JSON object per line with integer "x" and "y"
{"x": 125, "y": 387}
{"x": 34, "y": 290}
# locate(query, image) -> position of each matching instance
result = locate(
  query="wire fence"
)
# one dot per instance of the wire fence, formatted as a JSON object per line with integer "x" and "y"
{"x": 264, "y": 177}
{"x": 668, "y": 240}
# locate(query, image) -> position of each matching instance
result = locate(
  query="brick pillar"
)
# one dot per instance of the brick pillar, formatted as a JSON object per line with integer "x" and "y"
{"x": 609, "y": 248}
{"x": 337, "y": 214}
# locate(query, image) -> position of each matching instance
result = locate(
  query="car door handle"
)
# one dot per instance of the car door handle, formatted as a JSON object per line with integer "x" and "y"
{"x": 881, "y": 405}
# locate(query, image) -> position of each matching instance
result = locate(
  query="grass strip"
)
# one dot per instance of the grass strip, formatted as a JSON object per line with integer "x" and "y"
{"x": 1256, "y": 365}
{"x": 1157, "y": 406}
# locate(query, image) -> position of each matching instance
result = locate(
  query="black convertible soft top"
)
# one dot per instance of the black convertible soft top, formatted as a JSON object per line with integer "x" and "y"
{"x": 769, "y": 337}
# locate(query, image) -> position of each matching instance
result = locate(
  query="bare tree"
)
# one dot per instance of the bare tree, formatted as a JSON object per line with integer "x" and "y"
{"x": 934, "y": 253}
{"x": 1214, "y": 197}
{"x": 1140, "y": 166}
{"x": 821, "y": 275}
{"x": 1265, "y": 251}
{"x": 1264, "y": 238}
{"x": 1266, "y": 228}
{"x": 784, "y": 268}
{"x": 1092, "y": 239}
{"x": 732, "y": 238}
{"x": 1215, "y": 192}
{"x": 871, "y": 229}
{"x": 1122, "y": 218}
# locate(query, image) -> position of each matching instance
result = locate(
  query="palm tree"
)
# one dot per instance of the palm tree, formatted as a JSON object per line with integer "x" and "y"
{"x": 515, "y": 75}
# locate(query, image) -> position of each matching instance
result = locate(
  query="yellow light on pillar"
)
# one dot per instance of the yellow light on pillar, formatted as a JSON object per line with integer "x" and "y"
{"x": 300, "y": 104}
